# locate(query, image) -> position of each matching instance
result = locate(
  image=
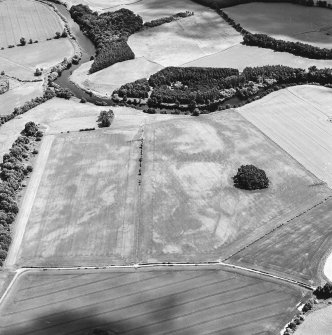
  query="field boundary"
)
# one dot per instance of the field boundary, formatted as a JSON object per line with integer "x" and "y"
{"x": 28, "y": 200}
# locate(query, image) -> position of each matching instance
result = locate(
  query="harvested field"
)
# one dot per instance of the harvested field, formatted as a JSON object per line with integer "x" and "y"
{"x": 190, "y": 209}
{"x": 18, "y": 94}
{"x": 299, "y": 124}
{"x": 294, "y": 250}
{"x": 173, "y": 301}
{"x": 318, "y": 322}
{"x": 105, "y": 81}
{"x": 241, "y": 56}
{"x": 286, "y": 21}
{"x": 90, "y": 215}
{"x": 21, "y": 62}
{"x": 28, "y": 19}
{"x": 185, "y": 40}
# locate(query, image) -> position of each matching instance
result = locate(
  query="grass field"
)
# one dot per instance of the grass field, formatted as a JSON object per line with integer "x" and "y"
{"x": 299, "y": 125}
{"x": 241, "y": 56}
{"x": 286, "y": 21}
{"x": 191, "y": 211}
{"x": 21, "y": 62}
{"x": 296, "y": 249}
{"x": 105, "y": 81}
{"x": 185, "y": 40}
{"x": 146, "y": 302}
{"x": 28, "y": 19}
{"x": 18, "y": 94}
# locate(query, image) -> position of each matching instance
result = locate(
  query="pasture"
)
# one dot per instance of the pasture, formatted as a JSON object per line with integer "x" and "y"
{"x": 173, "y": 301}
{"x": 299, "y": 124}
{"x": 296, "y": 249}
{"x": 185, "y": 40}
{"x": 190, "y": 208}
{"x": 28, "y": 19}
{"x": 241, "y": 56}
{"x": 21, "y": 62}
{"x": 105, "y": 81}
{"x": 18, "y": 94}
{"x": 286, "y": 21}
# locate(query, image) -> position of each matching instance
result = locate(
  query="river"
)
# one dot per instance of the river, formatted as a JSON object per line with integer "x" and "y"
{"x": 88, "y": 50}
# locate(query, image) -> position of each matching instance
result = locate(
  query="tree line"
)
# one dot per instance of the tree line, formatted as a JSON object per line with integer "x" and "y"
{"x": 167, "y": 19}
{"x": 13, "y": 170}
{"x": 109, "y": 33}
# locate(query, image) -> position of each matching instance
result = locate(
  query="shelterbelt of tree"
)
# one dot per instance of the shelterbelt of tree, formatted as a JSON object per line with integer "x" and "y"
{"x": 109, "y": 32}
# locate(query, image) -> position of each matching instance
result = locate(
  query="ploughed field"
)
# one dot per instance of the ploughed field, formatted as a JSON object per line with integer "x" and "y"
{"x": 299, "y": 120}
{"x": 95, "y": 205}
{"x": 195, "y": 301}
{"x": 286, "y": 21}
{"x": 28, "y": 19}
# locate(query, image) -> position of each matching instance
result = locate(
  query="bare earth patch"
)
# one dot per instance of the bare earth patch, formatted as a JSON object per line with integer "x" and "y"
{"x": 299, "y": 124}
{"x": 286, "y": 21}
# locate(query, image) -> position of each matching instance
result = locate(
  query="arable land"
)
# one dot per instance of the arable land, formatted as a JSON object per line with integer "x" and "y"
{"x": 195, "y": 301}
{"x": 28, "y": 19}
{"x": 191, "y": 210}
{"x": 285, "y": 21}
{"x": 296, "y": 249}
{"x": 21, "y": 62}
{"x": 185, "y": 40}
{"x": 300, "y": 123}
{"x": 18, "y": 94}
{"x": 240, "y": 56}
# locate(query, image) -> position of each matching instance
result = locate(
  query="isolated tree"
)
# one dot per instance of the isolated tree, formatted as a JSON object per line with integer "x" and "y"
{"x": 249, "y": 177}
{"x": 57, "y": 35}
{"x": 196, "y": 112}
{"x": 105, "y": 118}
{"x": 30, "y": 129}
{"x": 23, "y": 41}
{"x": 30, "y": 41}
{"x": 38, "y": 72}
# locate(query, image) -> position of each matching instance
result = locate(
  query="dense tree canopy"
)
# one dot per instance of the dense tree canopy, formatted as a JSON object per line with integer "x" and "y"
{"x": 249, "y": 177}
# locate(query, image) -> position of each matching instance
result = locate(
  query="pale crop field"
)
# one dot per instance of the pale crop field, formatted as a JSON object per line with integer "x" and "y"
{"x": 85, "y": 208}
{"x": 21, "y": 62}
{"x": 318, "y": 322}
{"x": 105, "y": 81}
{"x": 240, "y": 56}
{"x": 18, "y": 94}
{"x": 190, "y": 208}
{"x": 185, "y": 40}
{"x": 28, "y": 19}
{"x": 299, "y": 124}
{"x": 295, "y": 250}
{"x": 158, "y": 301}
{"x": 286, "y": 21}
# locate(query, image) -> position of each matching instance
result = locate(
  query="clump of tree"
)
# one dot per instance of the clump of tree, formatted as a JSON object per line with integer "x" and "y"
{"x": 324, "y": 292}
{"x": 109, "y": 32}
{"x": 137, "y": 89}
{"x": 30, "y": 129}
{"x": 23, "y": 41}
{"x": 249, "y": 177}
{"x": 105, "y": 118}
{"x": 167, "y": 19}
